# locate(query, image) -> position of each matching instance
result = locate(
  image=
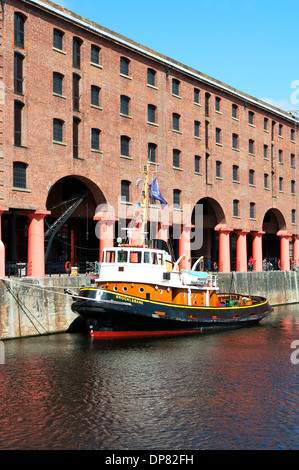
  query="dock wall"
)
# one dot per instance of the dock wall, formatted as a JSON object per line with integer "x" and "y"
{"x": 279, "y": 287}
{"x": 38, "y": 306}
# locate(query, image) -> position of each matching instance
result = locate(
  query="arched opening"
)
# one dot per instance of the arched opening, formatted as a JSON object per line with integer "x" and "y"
{"x": 212, "y": 215}
{"x": 273, "y": 222}
{"x": 70, "y": 229}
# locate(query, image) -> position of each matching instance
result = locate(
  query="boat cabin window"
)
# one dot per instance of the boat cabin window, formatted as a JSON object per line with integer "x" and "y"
{"x": 157, "y": 258}
{"x": 122, "y": 256}
{"x": 110, "y": 257}
{"x": 147, "y": 257}
{"x": 135, "y": 256}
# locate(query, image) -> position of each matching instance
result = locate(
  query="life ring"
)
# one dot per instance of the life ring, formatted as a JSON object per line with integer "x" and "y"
{"x": 215, "y": 265}
{"x": 68, "y": 266}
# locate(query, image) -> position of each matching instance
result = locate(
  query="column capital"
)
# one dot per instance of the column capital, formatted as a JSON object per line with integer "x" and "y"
{"x": 105, "y": 217}
{"x": 258, "y": 233}
{"x": 36, "y": 214}
{"x": 3, "y": 209}
{"x": 223, "y": 229}
{"x": 241, "y": 232}
{"x": 283, "y": 234}
{"x": 187, "y": 226}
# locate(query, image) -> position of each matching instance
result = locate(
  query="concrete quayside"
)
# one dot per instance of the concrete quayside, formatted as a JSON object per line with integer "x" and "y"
{"x": 39, "y": 306}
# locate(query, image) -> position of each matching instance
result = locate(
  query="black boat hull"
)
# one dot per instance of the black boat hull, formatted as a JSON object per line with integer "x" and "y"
{"x": 120, "y": 316}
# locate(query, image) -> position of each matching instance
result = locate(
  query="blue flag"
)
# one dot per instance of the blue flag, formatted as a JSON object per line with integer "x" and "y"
{"x": 156, "y": 192}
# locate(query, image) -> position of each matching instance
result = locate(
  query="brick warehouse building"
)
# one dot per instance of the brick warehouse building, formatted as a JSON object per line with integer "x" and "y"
{"x": 83, "y": 108}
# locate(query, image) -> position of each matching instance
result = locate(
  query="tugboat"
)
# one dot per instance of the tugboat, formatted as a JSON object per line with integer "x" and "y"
{"x": 142, "y": 292}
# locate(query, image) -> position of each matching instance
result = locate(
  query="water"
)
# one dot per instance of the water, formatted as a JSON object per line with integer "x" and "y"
{"x": 229, "y": 390}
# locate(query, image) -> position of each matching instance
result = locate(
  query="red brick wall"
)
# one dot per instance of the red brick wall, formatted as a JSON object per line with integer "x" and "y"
{"x": 48, "y": 162}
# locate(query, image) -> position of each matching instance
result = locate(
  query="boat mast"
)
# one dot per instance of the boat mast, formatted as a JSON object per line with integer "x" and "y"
{"x": 144, "y": 204}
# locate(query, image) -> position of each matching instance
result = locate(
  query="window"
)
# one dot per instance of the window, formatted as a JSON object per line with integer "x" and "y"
{"x": 280, "y": 156}
{"x": 292, "y": 134}
{"x": 251, "y": 118}
{"x": 217, "y": 103}
{"x": 196, "y": 129}
{"x": 292, "y": 160}
{"x": 207, "y": 104}
{"x": 175, "y": 122}
{"x": 58, "y": 130}
{"x": 280, "y": 130}
{"x": 251, "y": 146}
{"x": 293, "y": 187}
{"x": 207, "y": 134}
{"x": 151, "y": 113}
{"x": 19, "y": 175}
{"x": 77, "y": 53}
{"x": 152, "y": 152}
{"x": 280, "y": 183}
{"x": 18, "y": 73}
{"x": 151, "y": 77}
{"x": 125, "y": 191}
{"x": 57, "y": 83}
{"x": 218, "y": 169}
{"x": 197, "y": 164}
{"x": 124, "y": 105}
{"x": 95, "y": 139}
{"x": 265, "y": 124}
{"x": 196, "y": 95}
{"x": 19, "y": 29}
{"x": 235, "y": 173}
{"x": 252, "y": 210}
{"x": 175, "y": 87}
{"x": 176, "y": 154}
{"x": 18, "y": 108}
{"x": 235, "y": 111}
{"x": 125, "y": 145}
{"x": 266, "y": 181}
{"x": 95, "y": 96}
{"x": 76, "y": 93}
{"x": 266, "y": 152}
{"x": 76, "y": 124}
{"x": 273, "y": 130}
{"x": 218, "y": 136}
{"x": 251, "y": 177}
{"x": 58, "y": 39}
{"x": 235, "y": 141}
{"x": 124, "y": 66}
{"x": 95, "y": 54}
{"x": 236, "y": 208}
{"x": 176, "y": 199}
{"x": 293, "y": 216}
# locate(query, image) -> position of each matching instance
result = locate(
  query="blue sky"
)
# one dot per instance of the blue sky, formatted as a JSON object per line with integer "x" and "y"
{"x": 251, "y": 45}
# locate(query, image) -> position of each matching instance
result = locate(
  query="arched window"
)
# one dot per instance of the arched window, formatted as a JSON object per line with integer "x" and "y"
{"x": 19, "y": 21}
{"x": 175, "y": 122}
{"x": 151, "y": 113}
{"x": 125, "y": 145}
{"x": 124, "y": 66}
{"x": 77, "y": 42}
{"x": 176, "y": 198}
{"x": 124, "y": 105}
{"x": 151, "y": 77}
{"x": 18, "y": 109}
{"x": 18, "y": 73}
{"x": 125, "y": 191}
{"x": 152, "y": 152}
{"x": 95, "y": 139}
{"x": 19, "y": 175}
